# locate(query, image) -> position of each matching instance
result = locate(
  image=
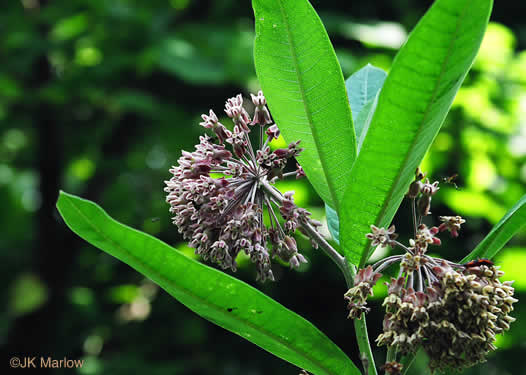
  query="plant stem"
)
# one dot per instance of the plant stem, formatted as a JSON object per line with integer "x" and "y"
{"x": 391, "y": 354}
{"x": 348, "y": 270}
{"x": 360, "y": 328}
{"x": 413, "y": 211}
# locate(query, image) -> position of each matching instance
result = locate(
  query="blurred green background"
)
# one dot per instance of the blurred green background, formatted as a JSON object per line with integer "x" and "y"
{"x": 99, "y": 97}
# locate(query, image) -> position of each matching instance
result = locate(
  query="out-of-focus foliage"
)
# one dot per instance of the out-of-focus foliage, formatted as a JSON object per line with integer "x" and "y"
{"x": 99, "y": 97}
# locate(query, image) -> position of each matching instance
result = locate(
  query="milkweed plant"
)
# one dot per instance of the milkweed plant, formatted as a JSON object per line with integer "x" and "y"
{"x": 359, "y": 142}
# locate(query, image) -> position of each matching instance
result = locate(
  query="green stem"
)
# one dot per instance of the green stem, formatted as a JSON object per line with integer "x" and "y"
{"x": 360, "y": 327}
{"x": 391, "y": 354}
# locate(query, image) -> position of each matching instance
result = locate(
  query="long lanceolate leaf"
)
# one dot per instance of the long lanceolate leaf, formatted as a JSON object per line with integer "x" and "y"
{"x": 510, "y": 224}
{"x": 362, "y": 89}
{"x": 412, "y": 105}
{"x": 302, "y": 80}
{"x": 215, "y": 296}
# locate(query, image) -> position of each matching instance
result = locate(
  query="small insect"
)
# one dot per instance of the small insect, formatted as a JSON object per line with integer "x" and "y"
{"x": 479, "y": 262}
{"x": 154, "y": 219}
{"x": 450, "y": 180}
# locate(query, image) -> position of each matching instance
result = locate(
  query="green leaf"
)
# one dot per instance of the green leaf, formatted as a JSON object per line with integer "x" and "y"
{"x": 302, "y": 80}
{"x": 225, "y": 301}
{"x": 362, "y": 86}
{"x": 333, "y": 223}
{"x": 502, "y": 232}
{"x": 413, "y": 102}
{"x": 363, "y": 121}
{"x": 362, "y": 89}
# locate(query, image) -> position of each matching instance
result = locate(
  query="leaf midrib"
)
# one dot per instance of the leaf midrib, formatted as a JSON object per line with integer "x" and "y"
{"x": 190, "y": 295}
{"x": 305, "y": 106}
{"x": 365, "y": 254}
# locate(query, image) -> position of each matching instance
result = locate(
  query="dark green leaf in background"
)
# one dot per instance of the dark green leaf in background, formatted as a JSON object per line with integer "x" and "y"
{"x": 415, "y": 98}
{"x": 301, "y": 77}
{"x": 511, "y": 223}
{"x": 214, "y": 295}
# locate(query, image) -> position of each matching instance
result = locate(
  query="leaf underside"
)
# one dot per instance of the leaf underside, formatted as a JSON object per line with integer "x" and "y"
{"x": 214, "y": 295}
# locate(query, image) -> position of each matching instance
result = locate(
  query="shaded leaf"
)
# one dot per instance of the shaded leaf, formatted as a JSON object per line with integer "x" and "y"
{"x": 225, "y": 301}
{"x": 333, "y": 223}
{"x": 362, "y": 89}
{"x": 362, "y": 86}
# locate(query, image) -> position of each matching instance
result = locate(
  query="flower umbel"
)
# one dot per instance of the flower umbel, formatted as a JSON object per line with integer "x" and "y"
{"x": 453, "y": 311}
{"x": 222, "y": 216}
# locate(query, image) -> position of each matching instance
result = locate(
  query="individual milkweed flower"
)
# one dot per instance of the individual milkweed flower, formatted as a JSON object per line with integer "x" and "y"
{"x": 382, "y": 236}
{"x": 451, "y": 223}
{"x": 299, "y": 172}
{"x": 424, "y": 202}
{"x": 223, "y": 216}
{"x": 425, "y": 236}
{"x": 261, "y": 113}
{"x": 430, "y": 188}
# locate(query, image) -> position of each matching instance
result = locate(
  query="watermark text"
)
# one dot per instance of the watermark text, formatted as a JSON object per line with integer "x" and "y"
{"x": 44, "y": 362}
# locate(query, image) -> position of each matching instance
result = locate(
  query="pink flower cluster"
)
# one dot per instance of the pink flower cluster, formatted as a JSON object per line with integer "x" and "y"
{"x": 223, "y": 216}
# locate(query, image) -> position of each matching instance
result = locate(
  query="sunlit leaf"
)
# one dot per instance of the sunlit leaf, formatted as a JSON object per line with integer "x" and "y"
{"x": 300, "y": 75}
{"x": 362, "y": 89}
{"x": 412, "y": 105}
{"x": 214, "y": 295}
{"x": 513, "y": 222}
